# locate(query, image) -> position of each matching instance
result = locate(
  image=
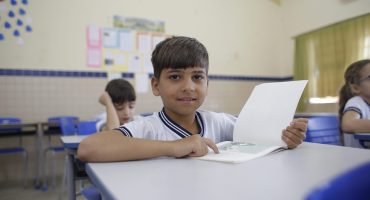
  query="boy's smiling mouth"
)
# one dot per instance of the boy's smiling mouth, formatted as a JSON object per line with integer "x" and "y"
{"x": 187, "y": 99}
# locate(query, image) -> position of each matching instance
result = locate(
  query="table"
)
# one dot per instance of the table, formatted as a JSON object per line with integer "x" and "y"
{"x": 39, "y": 128}
{"x": 289, "y": 175}
{"x": 71, "y": 143}
{"x": 363, "y": 138}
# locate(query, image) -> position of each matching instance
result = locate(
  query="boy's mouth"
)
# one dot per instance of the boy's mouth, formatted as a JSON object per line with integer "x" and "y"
{"x": 187, "y": 99}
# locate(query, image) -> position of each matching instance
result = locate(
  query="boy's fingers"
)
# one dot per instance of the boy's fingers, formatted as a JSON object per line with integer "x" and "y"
{"x": 211, "y": 144}
{"x": 300, "y": 123}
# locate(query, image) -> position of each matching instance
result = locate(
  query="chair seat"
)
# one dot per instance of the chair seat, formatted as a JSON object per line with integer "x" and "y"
{"x": 91, "y": 193}
{"x": 12, "y": 150}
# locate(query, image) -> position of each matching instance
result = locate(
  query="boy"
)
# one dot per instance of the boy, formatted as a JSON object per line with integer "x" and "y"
{"x": 119, "y": 101}
{"x": 178, "y": 130}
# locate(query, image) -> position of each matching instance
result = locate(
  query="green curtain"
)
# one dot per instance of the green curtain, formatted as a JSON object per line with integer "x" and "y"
{"x": 321, "y": 56}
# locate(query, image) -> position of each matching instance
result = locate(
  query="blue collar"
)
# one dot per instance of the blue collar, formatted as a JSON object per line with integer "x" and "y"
{"x": 180, "y": 131}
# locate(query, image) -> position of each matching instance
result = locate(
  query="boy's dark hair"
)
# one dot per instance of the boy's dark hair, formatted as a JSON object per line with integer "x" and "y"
{"x": 120, "y": 91}
{"x": 179, "y": 53}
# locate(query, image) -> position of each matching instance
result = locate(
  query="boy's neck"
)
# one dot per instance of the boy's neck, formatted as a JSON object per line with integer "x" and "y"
{"x": 188, "y": 122}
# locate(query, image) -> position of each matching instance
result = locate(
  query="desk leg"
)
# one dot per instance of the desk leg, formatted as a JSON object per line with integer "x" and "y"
{"x": 39, "y": 156}
{"x": 70, "y": 177}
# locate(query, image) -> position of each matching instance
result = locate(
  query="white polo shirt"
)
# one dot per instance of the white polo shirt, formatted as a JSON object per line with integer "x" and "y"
{"x": 360, "y": 106}
{"x": 215, "y": 126}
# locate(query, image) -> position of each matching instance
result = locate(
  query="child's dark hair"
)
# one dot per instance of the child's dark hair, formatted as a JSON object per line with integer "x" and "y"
{"x": 120, "y": 91}
{"x": 179, "y": 53}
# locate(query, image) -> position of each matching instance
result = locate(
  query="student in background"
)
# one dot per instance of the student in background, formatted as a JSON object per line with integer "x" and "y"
{"x": 354, "y": 102}
{"x": 179, "y": 129}
{"x": 119, "y": 101}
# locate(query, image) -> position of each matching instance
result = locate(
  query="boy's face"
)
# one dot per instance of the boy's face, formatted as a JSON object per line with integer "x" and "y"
{"x": 182, "y": 90}
{"x": 125, "y": 111}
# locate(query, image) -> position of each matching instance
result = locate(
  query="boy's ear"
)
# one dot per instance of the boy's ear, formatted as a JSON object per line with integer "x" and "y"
{"x": 154, "y": 82}
{"x": 354, "y": 89}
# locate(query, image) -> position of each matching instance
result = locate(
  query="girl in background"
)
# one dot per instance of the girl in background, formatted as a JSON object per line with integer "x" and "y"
{"x": 354, "y": 102}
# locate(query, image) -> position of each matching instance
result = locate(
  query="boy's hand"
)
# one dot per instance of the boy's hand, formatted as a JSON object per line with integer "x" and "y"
{"x": 104, "y": 98}
{"x": 194, "y": 146}
{"x": 294, "y": 134}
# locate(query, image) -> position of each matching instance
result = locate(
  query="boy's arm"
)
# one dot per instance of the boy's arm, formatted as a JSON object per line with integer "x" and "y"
{"x": 112, "y": 117}
{"x": 294, "y": 134}
{"x": 112, "y": 145}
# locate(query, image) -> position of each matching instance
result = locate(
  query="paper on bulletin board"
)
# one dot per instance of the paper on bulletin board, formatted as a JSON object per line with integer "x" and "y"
{"x": 141, "y": 82}
{"x": 110, "y": 38}
{"x": 94, "y": 38}
{"x": 126, "y": 40}
{"x": 144, "y": 42}
{"x": 114, "y": 75}
{"x": 114, "y": 59}
{"x": 134, "y": 62}
{"x": 93, "y": 57}
{"x": 147, "y": 63}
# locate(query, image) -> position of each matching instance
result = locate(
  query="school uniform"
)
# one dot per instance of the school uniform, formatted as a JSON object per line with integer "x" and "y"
{"x": 359, "y": 105}
{"x": 215, "y": 126}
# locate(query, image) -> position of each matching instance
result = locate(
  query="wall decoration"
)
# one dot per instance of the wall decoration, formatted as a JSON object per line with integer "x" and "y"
{"x": 14, "y": 19}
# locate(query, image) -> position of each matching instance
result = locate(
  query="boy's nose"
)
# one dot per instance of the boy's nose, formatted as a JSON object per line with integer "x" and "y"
{"x": 189, "y": 86}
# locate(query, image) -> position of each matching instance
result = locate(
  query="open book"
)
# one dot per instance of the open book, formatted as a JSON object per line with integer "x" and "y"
{"x": 258, "y": 129}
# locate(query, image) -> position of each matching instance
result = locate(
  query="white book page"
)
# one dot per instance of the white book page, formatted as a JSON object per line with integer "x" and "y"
{"x": 237, "y": 152}
{"x": 269, "y": 109}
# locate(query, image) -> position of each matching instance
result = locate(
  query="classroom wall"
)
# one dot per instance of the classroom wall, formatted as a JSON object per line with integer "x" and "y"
{"x": 244, "y": 38}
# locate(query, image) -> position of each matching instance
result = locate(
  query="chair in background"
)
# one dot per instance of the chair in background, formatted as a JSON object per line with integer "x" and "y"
{"x": 86, "y": 127}
{"x": 67, "y": 126}
{"x": 19, "y": 147}
{"x": 353, "y": 184}
{"x": 324, "y": 130}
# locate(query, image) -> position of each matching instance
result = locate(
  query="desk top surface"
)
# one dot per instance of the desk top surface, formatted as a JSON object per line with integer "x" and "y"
{"x": 290, "y": 174}
{"x": 72, "y": 141}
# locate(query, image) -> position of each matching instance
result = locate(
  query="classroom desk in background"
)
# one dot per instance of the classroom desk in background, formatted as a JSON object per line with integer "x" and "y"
{"x": 39, "y": 127}
{"x": 71, "y": 143}
{"x": 289, "y": 175}
{"x": 364, "y": 139}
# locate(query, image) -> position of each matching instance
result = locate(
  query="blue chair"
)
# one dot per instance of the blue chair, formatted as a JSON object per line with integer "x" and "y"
{"x": 91, "y": 193}
{"x": 353, "y": 184}
{"x": 67, "y": 126}
{"x": 324, "y": 130}
{"x": 86, "y": 127}
{"x": 19, "y": 147}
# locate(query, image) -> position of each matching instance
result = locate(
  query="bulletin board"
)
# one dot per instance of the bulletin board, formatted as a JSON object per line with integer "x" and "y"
{"x": 125, "y": 47}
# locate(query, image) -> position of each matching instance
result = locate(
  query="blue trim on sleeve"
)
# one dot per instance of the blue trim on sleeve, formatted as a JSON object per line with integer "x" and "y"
{"x": 355, "y": 110}
{"x": 124, "y": 131}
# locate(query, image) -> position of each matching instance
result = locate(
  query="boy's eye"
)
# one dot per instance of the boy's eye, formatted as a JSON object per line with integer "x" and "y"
{"x": 174, "y": 77}
{"x": 198, "y": 77}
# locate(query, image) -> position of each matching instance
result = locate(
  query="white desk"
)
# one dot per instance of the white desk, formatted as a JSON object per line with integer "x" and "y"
{"x": 289, "y": 175}
{"x": 71, "y": 143}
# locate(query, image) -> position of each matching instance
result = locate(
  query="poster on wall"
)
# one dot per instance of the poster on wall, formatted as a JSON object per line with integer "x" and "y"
{"x": 93, "y": 41}
{"x": 138, "y": 24}
{"x": 15, "y": 20}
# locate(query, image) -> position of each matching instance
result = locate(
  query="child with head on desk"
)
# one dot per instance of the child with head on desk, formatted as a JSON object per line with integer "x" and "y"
{"x": 179, "y": 129}
{"x": 354, "y": 100}
{"x": 119, "y": 101}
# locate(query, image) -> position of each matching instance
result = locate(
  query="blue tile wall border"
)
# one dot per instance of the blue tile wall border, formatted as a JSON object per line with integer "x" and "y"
{"x": 90, "y": 74}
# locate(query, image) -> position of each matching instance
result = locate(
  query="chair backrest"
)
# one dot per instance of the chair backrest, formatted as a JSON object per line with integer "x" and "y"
{"x": 324, "y": 130}
{"x": 10, "y": 120}
{"x": 86, "y": 127}
{"x": 353, "y": 184}
{"x": 67, "y": 124}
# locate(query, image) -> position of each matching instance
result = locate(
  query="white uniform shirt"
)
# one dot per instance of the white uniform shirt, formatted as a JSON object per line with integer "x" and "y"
{"x": 215, "y": 126}
{"x": 360, "y": 106}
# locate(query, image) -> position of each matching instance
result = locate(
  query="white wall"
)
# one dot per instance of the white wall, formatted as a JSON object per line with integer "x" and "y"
{"x": 243, "y": 37}
{"x": 238, "y": 34}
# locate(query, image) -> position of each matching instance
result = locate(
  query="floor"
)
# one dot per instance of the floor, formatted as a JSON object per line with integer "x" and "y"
{"x": 15, "y": 190}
